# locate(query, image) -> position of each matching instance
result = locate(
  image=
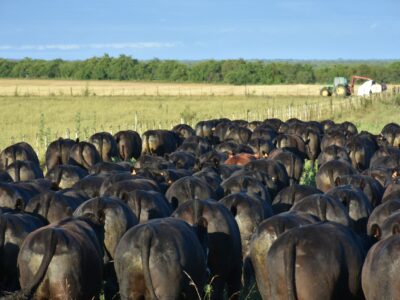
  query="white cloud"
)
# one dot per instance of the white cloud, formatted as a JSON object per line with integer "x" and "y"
{"x": 66, "y": 47}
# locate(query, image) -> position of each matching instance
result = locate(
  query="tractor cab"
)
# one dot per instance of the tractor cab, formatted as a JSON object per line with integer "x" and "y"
{"x": 340, "y": 88}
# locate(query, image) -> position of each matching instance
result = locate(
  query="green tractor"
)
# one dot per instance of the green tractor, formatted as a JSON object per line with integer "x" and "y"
{"x": 339, "y": 88}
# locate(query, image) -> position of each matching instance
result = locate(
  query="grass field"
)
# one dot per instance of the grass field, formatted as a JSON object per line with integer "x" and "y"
{"x": 26, "y": 87}
{"x": 14, "y": 87}
{"x": 41, "y": 119}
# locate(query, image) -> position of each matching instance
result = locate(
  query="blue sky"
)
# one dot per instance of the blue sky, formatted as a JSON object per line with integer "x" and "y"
{"x": 192, "y": 30}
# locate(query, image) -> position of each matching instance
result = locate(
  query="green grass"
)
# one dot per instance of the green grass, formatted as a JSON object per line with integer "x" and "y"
{"x": 39, "y": 120}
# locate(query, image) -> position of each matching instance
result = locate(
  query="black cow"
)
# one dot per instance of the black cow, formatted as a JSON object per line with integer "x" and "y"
{"x": 24, "y": 170}
{"x": 16, "y": 196}
{"x": 261, "y": 147}
{"x": 105, "y": 144}
{"x": 160, "y": 142}
{"x": 19, "y": 151}
{"x": 249, "y": 212}
{"x": 52, "y": 205}
{"x": 361, "y": 148}
{"x": 159, "y": 260}
{"x": 333, "y": 152}
{"x": 266, "y": 234}
{"x": 65, "y": 176}
{"x": 188, "y": 188}
{"x": 357, "y": 204}
{"x": 84, "y": 154}
{"x": 90, "y": 185}
{"x": 380, "y": 277}
{"x": 147, "y": 205}
{"x": 328, "y": 172}
{"x": 371, "y": 187}
{"x": 391, "y": 133}
{"x": 129, "y": 144}
{"x": 380, "y": 214}
{"x": 14, "y": 227}
{"x": 293, "y": 163}
{"x": 238, "y": 183}
{"x": 118, "y": 219}
{"x": 318, "y": 261}
{"x": 62, "y": 260}
{"x": 184, "y": 131}
{"x": 273, "y": 172}
{"x": 290, "y": 195}
{"x": 225, "y": 255}
{"x": 324, "y": 207}
{"x": 57, "y": 152}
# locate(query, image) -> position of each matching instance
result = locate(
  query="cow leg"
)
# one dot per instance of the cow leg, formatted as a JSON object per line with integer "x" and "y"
{"x": 218, "y": 285}
{"x": 234, "y": 282}
{"x": 248, "y": 275}
{"x": 111, "y": 283}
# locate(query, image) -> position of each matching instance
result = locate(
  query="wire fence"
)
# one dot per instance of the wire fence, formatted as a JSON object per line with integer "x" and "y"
{"x": 314, "y": 111}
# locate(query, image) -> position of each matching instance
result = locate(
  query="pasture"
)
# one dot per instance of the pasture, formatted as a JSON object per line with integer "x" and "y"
{"x": 43, "y": 117}
{"x": 38, "y": 111}
{"x": 34, "y": 87}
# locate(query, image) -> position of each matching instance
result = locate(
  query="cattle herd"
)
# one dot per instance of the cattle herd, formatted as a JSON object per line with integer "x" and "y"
{"x": 217, "y": 209}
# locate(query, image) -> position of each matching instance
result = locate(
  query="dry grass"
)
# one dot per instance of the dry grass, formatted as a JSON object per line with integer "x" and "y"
{"x": 14, "y": 87}
{"x": 24, "y": 118}
{"x": 39, "y": 120}
{"x": 26, "y": 87}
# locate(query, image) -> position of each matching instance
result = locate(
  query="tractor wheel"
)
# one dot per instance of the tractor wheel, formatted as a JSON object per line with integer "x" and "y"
{"x": 341, "y": 91}
{"x": 325, "y": 92}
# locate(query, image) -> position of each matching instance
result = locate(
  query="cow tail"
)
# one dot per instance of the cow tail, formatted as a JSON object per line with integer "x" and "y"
{"x": 145, "y": 144}
{"x": 331, "y": 179}
{"x": 50, "y": 246}
{"x": 292, "y": 166}
{"x": 59, "y": 176}
{"x": 47, "y": 203}
{"x": 289, "y": 257}
{"x": 122, "y": 152}
{"x": 16, "y": 171}
{"x": 13, "y": 154}
{"x": 60, "y": 158}
{"x": 138, "y": 206}
{"x": 196, "y": 211}
{"x": 147, "y": 237}
{"x": 101, "y": 149}
{"x": 3, "y": 228}
{"x": 84, "y": 163}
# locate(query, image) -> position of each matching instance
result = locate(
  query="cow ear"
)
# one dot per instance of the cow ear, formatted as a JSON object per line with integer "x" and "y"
{"x": 376, "y": 231}
{"x": 396, "y": 229}
{"x": 77, "y": 140}
{"x": 337, "y": 181}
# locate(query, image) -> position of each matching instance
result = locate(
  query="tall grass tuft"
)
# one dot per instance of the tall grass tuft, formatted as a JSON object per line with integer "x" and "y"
{"x": 308, "y": 176}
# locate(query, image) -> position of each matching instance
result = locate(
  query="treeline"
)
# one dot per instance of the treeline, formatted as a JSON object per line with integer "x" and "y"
{"x": 225, "y": 71}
